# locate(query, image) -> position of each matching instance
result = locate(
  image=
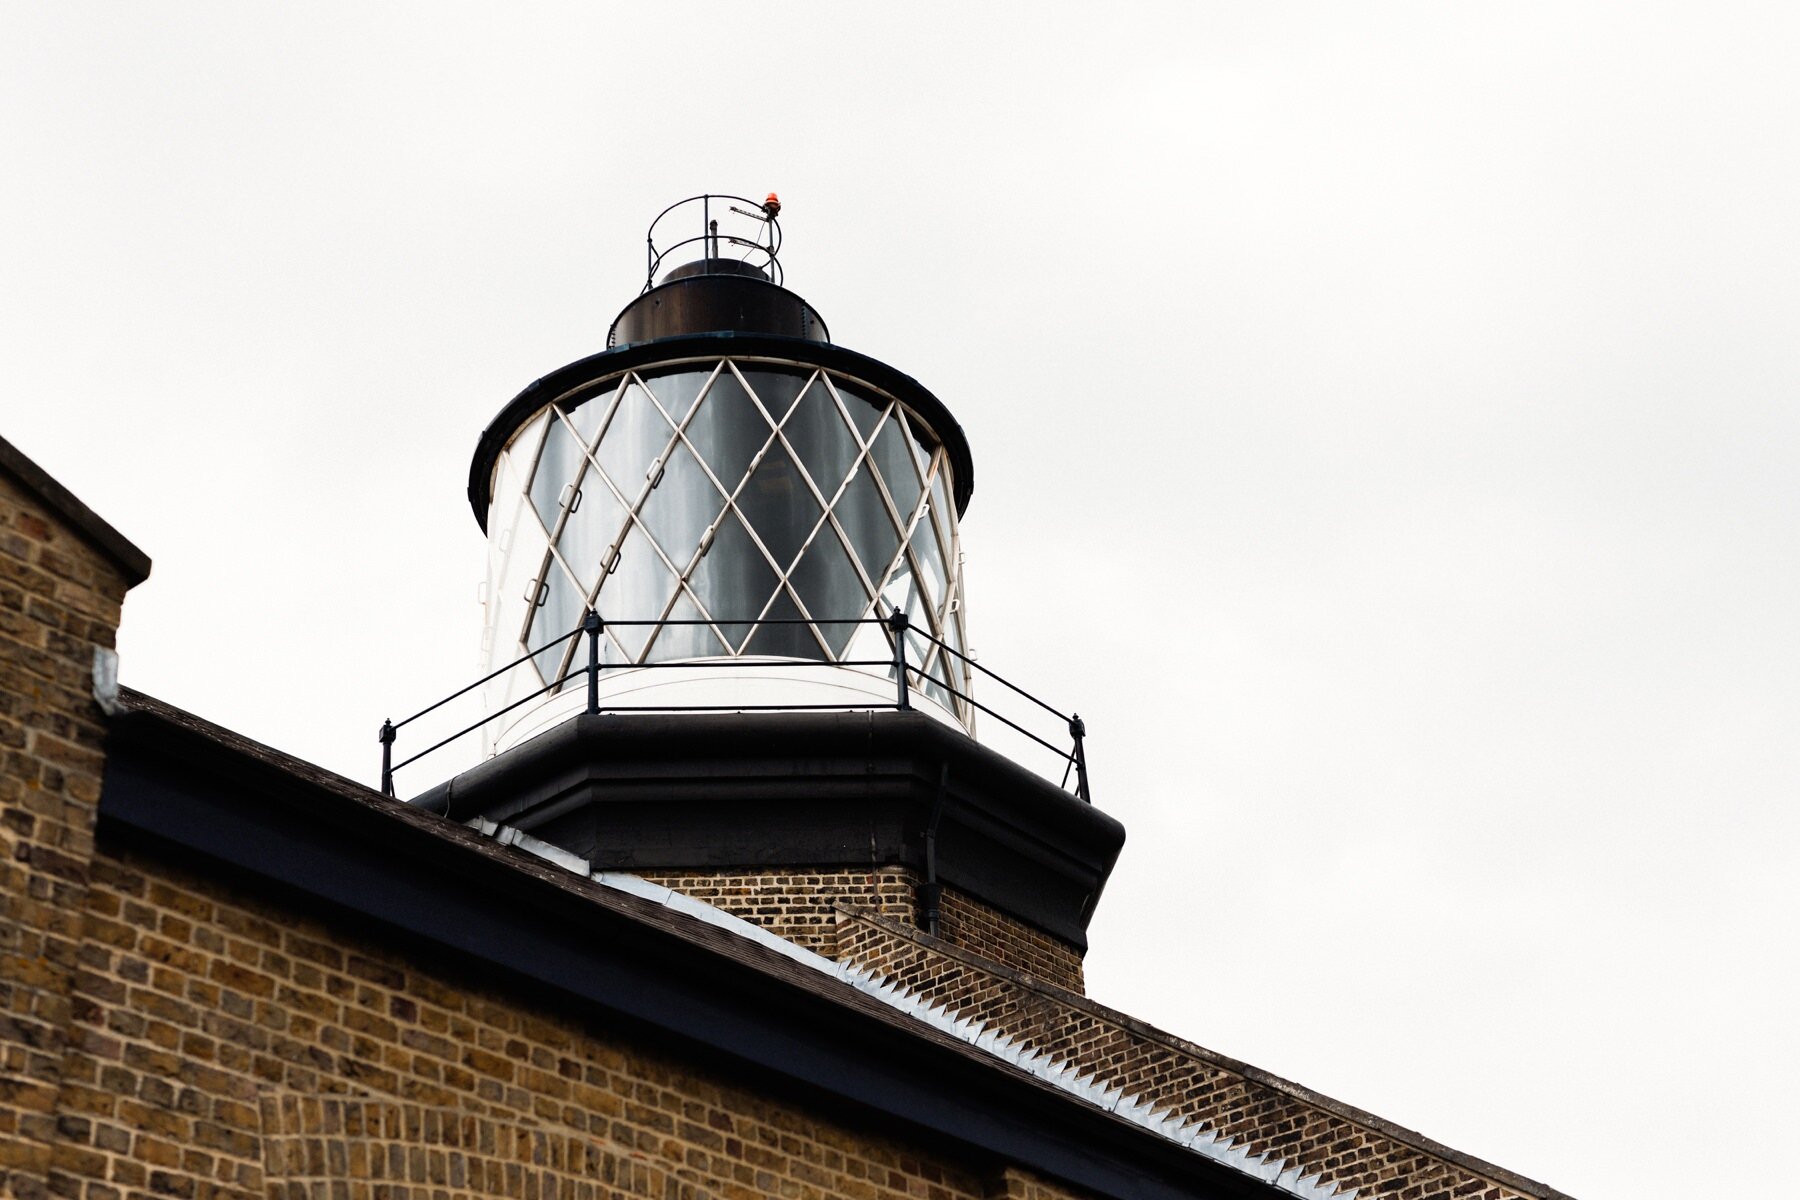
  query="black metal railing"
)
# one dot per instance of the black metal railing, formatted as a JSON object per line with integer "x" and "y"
{"x": 759, "y": 236}
{"x": 897, "y": 625}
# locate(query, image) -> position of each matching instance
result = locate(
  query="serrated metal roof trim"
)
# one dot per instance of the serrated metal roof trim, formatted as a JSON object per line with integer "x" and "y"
{"x": 1062, "y": 1075}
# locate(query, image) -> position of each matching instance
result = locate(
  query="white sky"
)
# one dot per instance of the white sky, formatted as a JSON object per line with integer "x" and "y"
{"x": 1383, "y": 415}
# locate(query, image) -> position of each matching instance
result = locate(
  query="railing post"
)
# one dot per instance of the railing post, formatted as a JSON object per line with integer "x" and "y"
{"x": 387, "y": 757}
{"x": 592, "y": 624}
{"x": 1078, "y": 731}
{"x": 898, "y": 625}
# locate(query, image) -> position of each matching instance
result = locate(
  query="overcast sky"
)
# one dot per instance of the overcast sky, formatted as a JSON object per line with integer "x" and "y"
{"x": 1384, "y": 423}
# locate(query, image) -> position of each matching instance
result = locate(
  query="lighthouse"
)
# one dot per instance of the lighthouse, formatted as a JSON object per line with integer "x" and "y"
{"x": 724, "y": 626}
{"x": 726, "y": 489}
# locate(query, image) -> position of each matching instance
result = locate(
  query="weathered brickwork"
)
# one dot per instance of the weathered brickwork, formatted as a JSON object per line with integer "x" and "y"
{"x": 365, "y": 1148}
{"x": 1354, "y": 1150}
{"x": 59, "y": 599}
{"x": 323, "y": 1147}
{"x": 211, "y": 1028}
{"x": 802, "y": 906}
{"x": 798, "y": 904}
{"x": 968, "y": 924}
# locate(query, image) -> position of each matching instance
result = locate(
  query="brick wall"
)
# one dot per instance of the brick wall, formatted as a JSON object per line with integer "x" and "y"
{"x": 59, "y": 599}
{"x": 1342, "y": 1145}
{"x": 797, "y": 904}
{"x": 802, "y": 906}
{"x": 968, "y": 924}
{"x": 224, "y": 1047}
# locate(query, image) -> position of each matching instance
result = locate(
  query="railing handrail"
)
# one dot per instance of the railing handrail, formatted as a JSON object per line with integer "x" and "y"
{"x": 896, "y": 623}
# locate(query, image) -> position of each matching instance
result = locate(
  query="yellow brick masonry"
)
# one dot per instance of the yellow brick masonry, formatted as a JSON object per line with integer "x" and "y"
{"x": 802, "y": 906}
{"x": 59, "y": 599}
{"x": 1343, "y": 1146}
{"x": 225, "y": 1047}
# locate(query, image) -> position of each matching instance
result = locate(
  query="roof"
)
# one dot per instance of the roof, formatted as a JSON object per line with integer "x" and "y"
{"x": 674, "y": 966}
{"x": 324, "y": 841}
{"x": 134, "y": 563}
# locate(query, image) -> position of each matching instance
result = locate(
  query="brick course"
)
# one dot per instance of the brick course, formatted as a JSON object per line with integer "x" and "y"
{"x": 802, "y": 906}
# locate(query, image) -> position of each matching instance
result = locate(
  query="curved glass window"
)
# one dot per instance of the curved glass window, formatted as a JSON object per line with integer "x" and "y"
{"x": 727, "y": 493}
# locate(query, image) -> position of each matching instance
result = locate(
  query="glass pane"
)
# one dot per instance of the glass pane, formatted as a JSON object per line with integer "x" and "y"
{"x": 727, "y": 430}
{"x": 957, "y": 668}
{"x": 829, "y": 588}
{"x": 591, "y": 529}
{"x": 940, "y": 497}
{"x": 926, "y": 668}
{"x": 634, "y": 438}
{"x": 538, "y": 627}
{"x": 820, "y": 439}
{"x": 917, "y": 440}
{"x": 733, "y": 579}
{"x": 524, "y": 447}
{"x": 586, "y": 412}
{"x": 680, "y": 506}
{"x": 934, "y": 689}
{"x": 865, "y": 410}
{"x": 675, "y": 390}
{"x": 776, "y": 503}
{"x": 784, "y": 641}
{"x": 556, "y": 469}
{"x": 899, "y": 593}
{"x": 930, "y": 564}
{"x": 776, "y": 389}
{"x": 866, "y": 522}
{"x": 564, "y": 605}
{"x": 503, "y": 510}
{"x": 685, "y": 641}
{"x": 638, "y": 590}
{"x": 896, "y": 465}
{"x": 516, "y": 565}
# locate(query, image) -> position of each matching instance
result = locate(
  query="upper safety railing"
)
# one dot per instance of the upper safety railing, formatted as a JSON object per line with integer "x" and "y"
{"x": 907, "y": 678}
{"x": 690, "y": 230}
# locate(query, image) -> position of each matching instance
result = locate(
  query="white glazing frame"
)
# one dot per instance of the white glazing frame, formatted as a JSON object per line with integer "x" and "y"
{"x": 931, "y": 517}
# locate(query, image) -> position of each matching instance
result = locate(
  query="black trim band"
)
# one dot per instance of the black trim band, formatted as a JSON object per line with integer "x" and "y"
{"x": 901, "y": 386}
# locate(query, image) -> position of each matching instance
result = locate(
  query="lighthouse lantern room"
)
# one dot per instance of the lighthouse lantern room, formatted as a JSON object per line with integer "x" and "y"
{"x": 730, "y": 493}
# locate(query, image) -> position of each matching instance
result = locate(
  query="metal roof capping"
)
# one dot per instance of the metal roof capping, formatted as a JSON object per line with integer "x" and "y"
{"x": 1192, "y": 1135}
